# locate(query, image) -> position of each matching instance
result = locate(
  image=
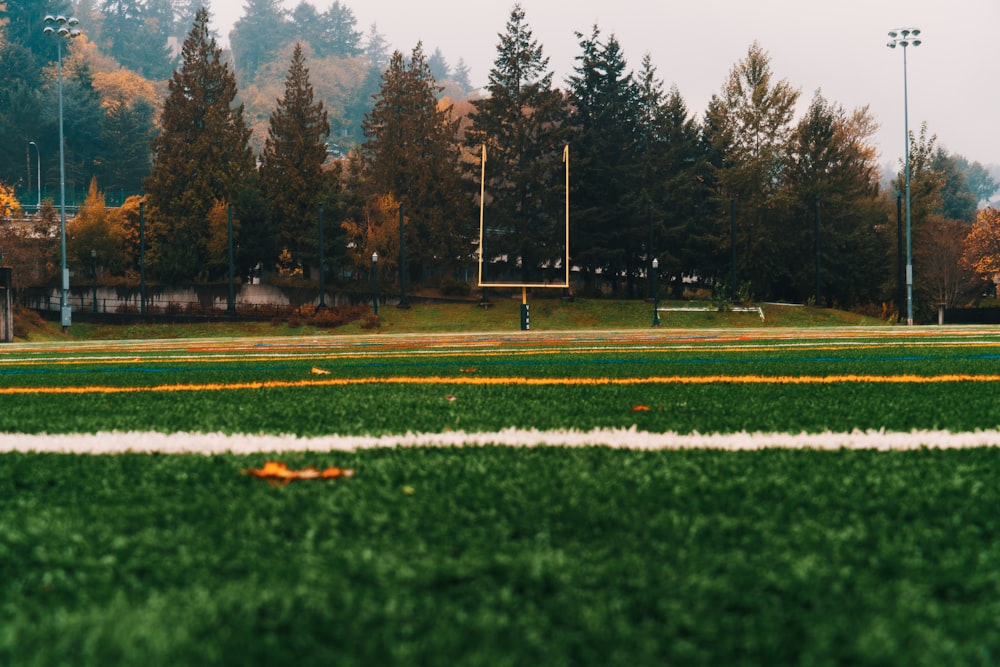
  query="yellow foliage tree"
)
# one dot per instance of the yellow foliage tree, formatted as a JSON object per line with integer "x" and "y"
{"x": 982, "y": 245}
{"x": 9, "y": 206}
{"x": 376, "y": 231}
{"x": 96, "y": 235}
{"x": 218, "y": 239}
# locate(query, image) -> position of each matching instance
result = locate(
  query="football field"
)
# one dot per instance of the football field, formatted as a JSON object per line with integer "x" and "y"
{"x": 749, "y": 497}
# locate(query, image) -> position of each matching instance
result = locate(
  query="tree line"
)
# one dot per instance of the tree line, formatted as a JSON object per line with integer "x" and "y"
{"x": 747, "y": 200}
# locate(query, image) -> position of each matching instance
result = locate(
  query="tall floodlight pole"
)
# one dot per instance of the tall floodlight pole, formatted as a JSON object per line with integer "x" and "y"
{"x": 62, "y": 28}
{"x": 38, "y": 161}
{"x": 905, "y": 37}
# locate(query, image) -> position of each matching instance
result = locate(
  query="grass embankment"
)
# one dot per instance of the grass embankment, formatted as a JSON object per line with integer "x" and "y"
{"x": 546, "y": 314}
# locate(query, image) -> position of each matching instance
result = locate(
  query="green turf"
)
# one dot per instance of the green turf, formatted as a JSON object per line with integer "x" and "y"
{"x": 503, "y": 556}
{"x": 496, "y": 556}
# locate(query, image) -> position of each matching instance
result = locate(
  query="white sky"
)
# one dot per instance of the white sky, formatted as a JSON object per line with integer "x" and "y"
{"x": 839, "y": 47}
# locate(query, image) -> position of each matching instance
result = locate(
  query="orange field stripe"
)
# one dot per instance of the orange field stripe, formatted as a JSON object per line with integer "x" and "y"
{"x": 516, "y": 381}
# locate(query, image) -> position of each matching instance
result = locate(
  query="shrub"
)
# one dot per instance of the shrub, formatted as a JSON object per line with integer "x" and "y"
{"x": 26, "y": 321}
{"x": 337, "y": 317}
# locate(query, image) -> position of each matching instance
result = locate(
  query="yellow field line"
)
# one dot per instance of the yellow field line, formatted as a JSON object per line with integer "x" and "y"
{"x": 515, "y": 381}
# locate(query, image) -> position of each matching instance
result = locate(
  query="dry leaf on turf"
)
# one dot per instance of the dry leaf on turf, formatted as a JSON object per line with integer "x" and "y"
{"x": 279, "y": 472}
{"x": 640, "y": 408}
{"x": 319, "y": 371}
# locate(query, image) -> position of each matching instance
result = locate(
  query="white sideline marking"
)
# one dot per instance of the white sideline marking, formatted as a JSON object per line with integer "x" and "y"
{"x": 216, "y": 443}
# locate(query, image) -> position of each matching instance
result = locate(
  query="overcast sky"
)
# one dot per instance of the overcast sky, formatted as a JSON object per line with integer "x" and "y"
{"x": 838, "y": 47}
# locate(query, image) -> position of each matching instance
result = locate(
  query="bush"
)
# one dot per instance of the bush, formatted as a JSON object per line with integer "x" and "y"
{"x": 26, "y": 321}
{"x": 336, "y": 317}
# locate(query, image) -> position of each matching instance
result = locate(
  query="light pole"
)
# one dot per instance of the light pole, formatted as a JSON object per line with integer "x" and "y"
{"x": 93, "y": 272}
{"x": 62, "y": 28}
{"x": 656, "y": 293}
{"x": 375, "y": 282}
{"x": 38, "y": 184}
{"x": 905, "y": 37}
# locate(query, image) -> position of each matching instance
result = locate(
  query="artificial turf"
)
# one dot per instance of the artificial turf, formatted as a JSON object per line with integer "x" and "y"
{"x": 499, "y": 556}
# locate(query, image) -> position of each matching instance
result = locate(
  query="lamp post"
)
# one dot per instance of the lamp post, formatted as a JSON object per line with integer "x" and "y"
{"x": 375, "y": 282}
{"x": 656, "y": 293}
{"x": 905, "y": 37}
{"x": 38, "y": 183}
{"x": 93, "y": 272}
{"x": 62, "y": 28}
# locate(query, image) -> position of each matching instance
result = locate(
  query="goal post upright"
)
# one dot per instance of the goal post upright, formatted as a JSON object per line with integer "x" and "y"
{"x": 482, "y": 229}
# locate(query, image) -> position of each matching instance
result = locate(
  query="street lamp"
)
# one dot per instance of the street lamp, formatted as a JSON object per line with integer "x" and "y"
{"x": 62, "y": 28}
{"x": 93, "y": 272}
{"x": 656, "y": 293}
{"x": 905, "y": 37}
{"x": 375, "y": 282}
{"x": 38, "y": 160}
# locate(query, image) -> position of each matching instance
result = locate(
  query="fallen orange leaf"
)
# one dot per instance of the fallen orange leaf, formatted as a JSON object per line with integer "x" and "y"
{"x": 319, "y": 371}
{"x": 640, "y": 408}
{"x": 281, "y": 474}
{"x": 468, "y": 370}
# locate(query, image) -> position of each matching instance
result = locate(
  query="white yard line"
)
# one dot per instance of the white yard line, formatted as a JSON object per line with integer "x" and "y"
{"x": 216, "y": 443}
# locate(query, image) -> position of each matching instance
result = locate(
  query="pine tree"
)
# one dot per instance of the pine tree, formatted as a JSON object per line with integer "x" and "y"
{"x": 412, "y": 153}
{"x": 611, "y": 229}
{"x": 292, "y": 161}
{"x": 202, "y": 155}
{"x": 258, "y": 35}
{"x": 833, "y": 166}
{"x": 521, "y": 124}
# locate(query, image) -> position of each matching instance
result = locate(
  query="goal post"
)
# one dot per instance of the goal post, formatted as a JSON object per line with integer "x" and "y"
{"x": 564, "y": 283}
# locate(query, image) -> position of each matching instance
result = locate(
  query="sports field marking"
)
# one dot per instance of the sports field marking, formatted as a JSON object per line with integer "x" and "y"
{"x": 512, "y": 381}
{"x": 631, "y": 438}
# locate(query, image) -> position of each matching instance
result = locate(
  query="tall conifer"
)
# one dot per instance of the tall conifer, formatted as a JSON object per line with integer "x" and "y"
{"x": 292, "y": 162}
{"x": 201, "y": 156}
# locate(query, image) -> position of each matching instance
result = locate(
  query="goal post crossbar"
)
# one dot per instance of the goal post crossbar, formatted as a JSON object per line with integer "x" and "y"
{"x": 482, "y": 207}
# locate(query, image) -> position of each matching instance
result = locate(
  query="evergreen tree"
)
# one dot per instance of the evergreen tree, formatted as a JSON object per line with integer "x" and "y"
{"x": 133, "y": 39}
{"x": 338, "y": 36}
{"x": 21, "y": 111}
{"x": 439, "y": 66}
{"x": 412, "y": 154}
{"x": 376, "y": 48}
{"x": 83, "y": 119}
{"x": 24, "y": 25}
{"x": 832, "y": 179}
{"x": 520, "y": 122}
{"x": 201, "y": 156}
{"x": 675, "y": 177}
{"x": 258, "y": 36}
{"x": 126, "y": 132}
{"x": 610, "y": 228}
{"x": 292, "y": 162}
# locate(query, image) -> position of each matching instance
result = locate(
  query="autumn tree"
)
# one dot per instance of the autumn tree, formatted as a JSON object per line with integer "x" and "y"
{"x": 9, "y": 206}
{"x": 373, "y": 227}
{"x": 412, "y": 153}
{"x": 521, "y": 124}
{"x": 201, "y": 156}
{"x": 981, "y": 252}
{"x": 291, "y": 165}
{"x": 748, "y": 125}
{"x": 96, "y": 235}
